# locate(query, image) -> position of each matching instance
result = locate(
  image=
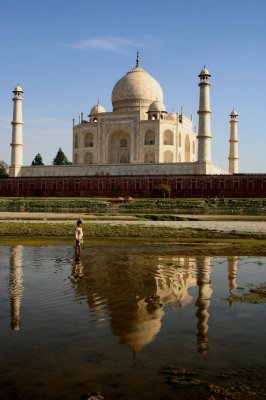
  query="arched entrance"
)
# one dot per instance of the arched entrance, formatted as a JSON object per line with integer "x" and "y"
{"x": 119, "y": 147}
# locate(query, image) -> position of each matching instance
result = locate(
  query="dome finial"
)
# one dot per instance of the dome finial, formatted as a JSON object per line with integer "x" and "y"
{"x": 137, "y": 59}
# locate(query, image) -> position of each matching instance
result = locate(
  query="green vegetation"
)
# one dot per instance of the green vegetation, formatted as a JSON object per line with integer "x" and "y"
{"x": 218, "y": 385}
{"x": 255, "y": 296}
{"x": 61, "y": 158}
{"x": 167, "y": 205}
{"x": 164, "y": 189}
{"x": 3, "y": 169}
{"x": 37, "y": 160}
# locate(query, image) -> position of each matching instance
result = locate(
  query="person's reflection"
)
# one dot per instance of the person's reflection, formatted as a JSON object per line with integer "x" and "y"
{"x": 232, "y": 275}
{"x": 203, "y": 302}
{"x": 77, "y": 271}
{"x": 16, "y": 279}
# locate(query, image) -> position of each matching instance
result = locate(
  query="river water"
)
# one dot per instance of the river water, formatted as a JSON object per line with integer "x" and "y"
{"x": 113, "y": 321}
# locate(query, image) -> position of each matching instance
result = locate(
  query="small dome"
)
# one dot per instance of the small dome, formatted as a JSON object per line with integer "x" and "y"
{"x": 204, "y": 72}
{"x": 157, "y": 106}
{"x": 136, "y": 89}
{"x": 233, "y": 113}
{"x": 98, "y": 108}
{"x": 172, "y": 116}
{"x": 18, "y": 89}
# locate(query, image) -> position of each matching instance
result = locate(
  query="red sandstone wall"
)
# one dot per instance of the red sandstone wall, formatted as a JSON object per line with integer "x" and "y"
{"x": 240, "y": 185}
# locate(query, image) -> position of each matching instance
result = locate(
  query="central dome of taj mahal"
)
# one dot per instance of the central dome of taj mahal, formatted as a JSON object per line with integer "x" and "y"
{"x": 136, "y": 89}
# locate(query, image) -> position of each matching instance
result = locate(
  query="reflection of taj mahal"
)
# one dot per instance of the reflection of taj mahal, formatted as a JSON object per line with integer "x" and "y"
{"x": 138, "y": 137}
{"x": 134, "y": 297}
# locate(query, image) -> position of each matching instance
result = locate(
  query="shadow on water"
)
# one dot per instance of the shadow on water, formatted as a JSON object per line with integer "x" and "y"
{"x": 114, "y": 319}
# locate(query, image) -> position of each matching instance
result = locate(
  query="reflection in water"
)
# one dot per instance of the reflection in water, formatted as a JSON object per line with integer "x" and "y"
{"x": 232, "y": 272}
{"x": 77, "y": 271}
{"x": 203, "y": 302}
{"x": 16, "y": 279}
{"x": 134, "y": 295}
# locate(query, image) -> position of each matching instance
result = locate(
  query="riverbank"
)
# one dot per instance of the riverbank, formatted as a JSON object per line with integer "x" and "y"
{"x": 190, "y": 239}
{"x": 244, "y": 206}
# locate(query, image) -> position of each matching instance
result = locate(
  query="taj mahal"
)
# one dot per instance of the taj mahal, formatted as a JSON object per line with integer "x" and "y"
{"x": 138, "y": 137}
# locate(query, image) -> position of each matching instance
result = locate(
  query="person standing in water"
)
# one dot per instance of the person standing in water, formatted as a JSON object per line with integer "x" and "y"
{"x": 79, "y": 238}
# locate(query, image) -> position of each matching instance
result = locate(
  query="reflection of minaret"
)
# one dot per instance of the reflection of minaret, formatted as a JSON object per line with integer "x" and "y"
{"x": 16, "y": 279}
{"x": 203, "y": 302}
{"x": 232, "y": 273}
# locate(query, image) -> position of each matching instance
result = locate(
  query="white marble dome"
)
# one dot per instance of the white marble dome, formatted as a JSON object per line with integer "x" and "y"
{"x": 157, "y": 106}
{"x": 18, "y": 89}
{"x": 136, "y": 89}
{"x": 98, "y": 108}
{"x": 234, "y": 113}
{"x": 204, "y": 72}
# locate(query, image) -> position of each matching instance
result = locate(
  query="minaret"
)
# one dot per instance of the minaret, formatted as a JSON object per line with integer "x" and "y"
{"x": 204, "y": 130}
{"x": 17, "y": 123}
{"x": 233, "y": 144}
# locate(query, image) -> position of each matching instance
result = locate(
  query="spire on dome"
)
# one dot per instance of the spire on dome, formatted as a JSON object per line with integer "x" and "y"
{"x": 137, "y": 59}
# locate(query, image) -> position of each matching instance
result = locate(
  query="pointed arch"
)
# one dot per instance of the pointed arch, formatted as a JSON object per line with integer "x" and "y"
{"x": 149, "y": 137}
{"x": 88, "y": 158}
{"x": 88, "y": 140}
{"x": 168, "y": 156}
{"x": 76, "y": 141}
{"x": 149, "y": 157}
{"x": 187, "y": 149}
{"x": 168, "y": 137}
{"x": 119, "y": 147}
{"x": 179, "y": 139}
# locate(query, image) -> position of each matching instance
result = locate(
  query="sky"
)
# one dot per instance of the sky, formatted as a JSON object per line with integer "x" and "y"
{"x": 69, "y": 54}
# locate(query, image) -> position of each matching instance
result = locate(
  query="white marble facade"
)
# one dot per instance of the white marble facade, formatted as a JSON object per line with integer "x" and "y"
{"x": 138, "y": 130}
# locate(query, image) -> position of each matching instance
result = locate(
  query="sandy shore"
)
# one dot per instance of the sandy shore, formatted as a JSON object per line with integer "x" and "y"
{"x": 216, "y": 223}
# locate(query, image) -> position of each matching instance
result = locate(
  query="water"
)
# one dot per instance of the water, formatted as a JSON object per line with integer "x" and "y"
{"x": 113, "y": 321}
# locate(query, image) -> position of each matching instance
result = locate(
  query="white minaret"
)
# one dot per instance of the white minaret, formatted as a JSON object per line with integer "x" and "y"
{"x": 233, "y": 144}
{"x": 17, "y": 124}
{"x": 204, "y": 130}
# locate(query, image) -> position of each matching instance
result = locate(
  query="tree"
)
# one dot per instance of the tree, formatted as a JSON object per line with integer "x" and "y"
{"x": 164, "y": 188}
{"x": 37, "y": 160}
{"x": 61, "y": 158}
{"x": 3, "y": 168}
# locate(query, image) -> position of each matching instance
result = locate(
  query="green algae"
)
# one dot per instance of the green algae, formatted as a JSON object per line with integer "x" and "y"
{"x": 234, "y": 385}
{"x": 254, "y": 296}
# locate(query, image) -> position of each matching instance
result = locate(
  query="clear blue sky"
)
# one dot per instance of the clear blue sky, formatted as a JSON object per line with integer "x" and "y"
{"x": 68, "y": 54}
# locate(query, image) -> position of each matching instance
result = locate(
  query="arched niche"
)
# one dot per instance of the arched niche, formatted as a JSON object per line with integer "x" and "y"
{"x": 168, "y": 138}
{"x": 194, "y": 147}
{"x": 179, "y": 157}
{"x": 168, "y": 156}
{"x": 76, "y": 141}
{"x": 76, "y": 159}
{"x": 149, "y": 137}
{"x": 187, "y": 149}
{"x": 88, "y": 158}
{"x": 179, "y": 139}
{"x": 118, "y": 149}
{"x": 88, "y": 140}
{"x": 149, "y": 157}
{"x": 123, "y": 144}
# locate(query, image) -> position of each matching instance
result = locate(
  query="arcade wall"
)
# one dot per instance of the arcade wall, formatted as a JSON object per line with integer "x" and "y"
{"x": 239, "y": 185}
